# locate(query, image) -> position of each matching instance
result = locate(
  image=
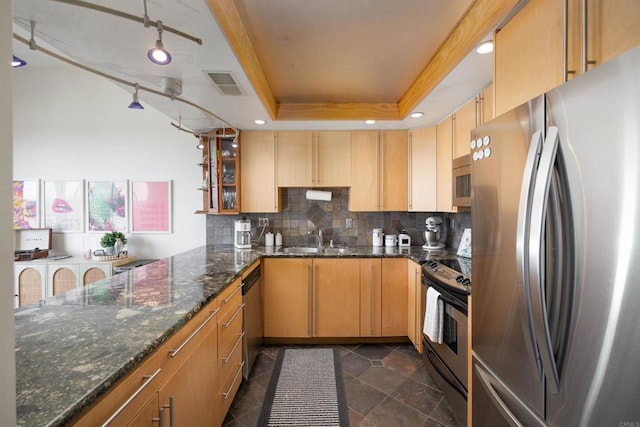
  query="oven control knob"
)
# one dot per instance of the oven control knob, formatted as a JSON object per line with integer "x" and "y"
{"x": 466, "y": 282}
{"x": 460, "y": 279}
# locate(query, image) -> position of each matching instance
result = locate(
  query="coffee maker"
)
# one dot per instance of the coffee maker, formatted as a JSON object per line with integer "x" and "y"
{"x": 242, "y": 234}
{"x": 434, "y": 235}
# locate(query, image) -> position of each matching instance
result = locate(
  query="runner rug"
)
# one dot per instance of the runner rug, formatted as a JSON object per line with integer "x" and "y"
{"x": 306, "y": 389}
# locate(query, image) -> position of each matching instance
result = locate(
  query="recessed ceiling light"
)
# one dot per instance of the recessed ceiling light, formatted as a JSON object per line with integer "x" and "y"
{"x": 259, "y": 122}
{"x": 369, "y": 122}
{"x": 417, "y": 114}
{"x": 485, "y": 47}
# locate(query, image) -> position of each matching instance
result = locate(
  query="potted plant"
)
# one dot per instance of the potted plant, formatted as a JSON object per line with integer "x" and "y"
{"x": 109, "y": 240}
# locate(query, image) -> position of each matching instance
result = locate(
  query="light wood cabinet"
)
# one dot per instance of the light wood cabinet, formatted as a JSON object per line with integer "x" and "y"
{"x": 394, "y": 297}
{"x": 486, "y": 105}
{"x": 444, "y": 156}
{"x": 178, "y": 380}
{"x": 311, "y": 297}
{"x": 336, "y": 300}
{"x": 465, "y": 120}
{"x": 379, "y": 171}
{"x": 287, "y": 289}
{"x": 383, "y": 297}
{"x": 62, "y": 277}
{"x": 529, "y": 57}
{"x": 313, "y": 159}
{"x": 414, "y": 304}
{"x": 230, "y": 360}
{"x": 370, "y": 297}
{"x": 259, "y": 192}
{"x": 423, "y": 170}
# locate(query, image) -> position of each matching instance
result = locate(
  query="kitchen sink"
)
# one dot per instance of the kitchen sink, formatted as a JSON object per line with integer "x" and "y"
{"x": 313, "y": 250}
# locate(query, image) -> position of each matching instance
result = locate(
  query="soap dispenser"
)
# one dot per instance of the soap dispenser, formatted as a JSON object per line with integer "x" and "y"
{"x": 278, "y": 238}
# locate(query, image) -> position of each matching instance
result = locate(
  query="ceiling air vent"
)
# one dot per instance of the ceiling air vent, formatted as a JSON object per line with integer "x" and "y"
{"x": 225, "y": 83}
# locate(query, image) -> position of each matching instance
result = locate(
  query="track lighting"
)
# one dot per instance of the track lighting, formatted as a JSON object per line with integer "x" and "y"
{"x": 17, "y": 62}
{"x": 135, "y": 104}
{"x": 200, "y": 145}
{"x": 234, "y": 143}
{"x": 158, "y": 55}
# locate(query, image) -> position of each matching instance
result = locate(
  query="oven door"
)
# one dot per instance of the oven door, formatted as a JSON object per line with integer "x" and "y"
{"x": 453, "y": 350}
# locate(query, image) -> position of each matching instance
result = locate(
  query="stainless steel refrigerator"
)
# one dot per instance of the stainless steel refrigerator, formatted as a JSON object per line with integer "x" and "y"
{"x": 556, "y": 256}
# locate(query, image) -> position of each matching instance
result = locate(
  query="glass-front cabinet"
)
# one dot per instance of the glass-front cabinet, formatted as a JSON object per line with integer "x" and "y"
{"x": 221, "y": 173}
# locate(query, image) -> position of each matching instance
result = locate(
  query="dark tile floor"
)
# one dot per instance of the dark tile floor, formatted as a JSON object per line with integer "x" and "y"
{"x": 386, "y": 385}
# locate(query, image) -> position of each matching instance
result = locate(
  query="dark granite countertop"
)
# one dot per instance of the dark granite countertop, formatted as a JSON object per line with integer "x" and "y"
{"x": 72, "y": 347}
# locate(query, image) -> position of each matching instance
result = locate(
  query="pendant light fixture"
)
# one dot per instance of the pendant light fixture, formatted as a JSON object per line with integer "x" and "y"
{"x": 17, "y": 62}
{"x": 158, "y": 54}
{"x": 135, "y": 104}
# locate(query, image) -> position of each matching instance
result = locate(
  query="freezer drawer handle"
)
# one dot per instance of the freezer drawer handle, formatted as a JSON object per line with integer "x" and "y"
{"x": 502, "y": 407}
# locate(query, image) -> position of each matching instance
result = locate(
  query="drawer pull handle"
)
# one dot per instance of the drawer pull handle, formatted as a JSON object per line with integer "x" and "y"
{"x": 238, "y": 311}
{"x": 174, "y": 353}
{"x": 226, "y": 359}
{"x": 226, "y": 395}
{"x": 148, "y": 379}
{"x": 226, "y": 300}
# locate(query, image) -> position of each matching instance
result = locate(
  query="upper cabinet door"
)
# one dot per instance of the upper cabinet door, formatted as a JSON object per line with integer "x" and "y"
{"x": 332, "y": 159}
{"x": 394, "y": 170}
{"x": 528, "y": 54}
{"x": 365, "y": 159}
{"x": 294, "y": 163}
{"x": 422, "y": 170}
{"x": 444, "y": 154}
{"x": 465, "y": 121}
{"x": 258, "y": 181}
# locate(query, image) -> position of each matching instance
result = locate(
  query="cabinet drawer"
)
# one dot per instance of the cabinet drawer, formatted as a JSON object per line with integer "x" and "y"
{"x": 230, "y": 299}
{"x": 230, "y": 333}
{"x": 228, "y": 368}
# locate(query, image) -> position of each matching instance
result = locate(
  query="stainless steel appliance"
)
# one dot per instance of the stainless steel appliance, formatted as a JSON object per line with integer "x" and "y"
{"x": 447, "y": 361}
{"x": 252, "y": 339}
{"x": 462, "y": 181}
{"x": 242, "y": 234}
{"x": 555, "y": 213}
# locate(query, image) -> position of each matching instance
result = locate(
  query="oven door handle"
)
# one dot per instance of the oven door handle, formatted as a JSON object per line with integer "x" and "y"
{"x": 444, "y": 296}
{"x": 435, "y": 362}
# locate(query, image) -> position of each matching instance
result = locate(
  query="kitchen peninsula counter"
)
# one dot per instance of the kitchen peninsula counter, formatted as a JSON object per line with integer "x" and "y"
{"x": 71, "y": 348}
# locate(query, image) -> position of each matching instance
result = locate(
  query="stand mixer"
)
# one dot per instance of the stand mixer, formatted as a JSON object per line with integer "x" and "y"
{"x": 434, "y": 233}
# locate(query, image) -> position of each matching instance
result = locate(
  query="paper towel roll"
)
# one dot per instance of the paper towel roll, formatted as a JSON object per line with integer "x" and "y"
{"x": 319, "y": 195}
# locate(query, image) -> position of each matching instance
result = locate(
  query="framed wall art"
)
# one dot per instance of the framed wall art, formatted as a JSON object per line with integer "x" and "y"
{"x": 107, "y": 206}
{"x": 151, "y": 206}
{"x": 26, "y": 204}
{"x": 63, "y": 206}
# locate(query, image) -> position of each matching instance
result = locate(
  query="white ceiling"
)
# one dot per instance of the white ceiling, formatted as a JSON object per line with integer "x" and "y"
{"x": 311, "y": 50}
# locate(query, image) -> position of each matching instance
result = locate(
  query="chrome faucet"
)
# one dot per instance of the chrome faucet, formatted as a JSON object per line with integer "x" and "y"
{"x": 319, "y": 236}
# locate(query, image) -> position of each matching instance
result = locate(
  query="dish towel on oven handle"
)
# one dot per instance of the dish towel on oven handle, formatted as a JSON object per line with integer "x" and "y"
{"x": 433, "y": 316}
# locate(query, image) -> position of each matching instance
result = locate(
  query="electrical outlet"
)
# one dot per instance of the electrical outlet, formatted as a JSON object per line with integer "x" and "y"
{"x": 263, "y": 222}
{"x": 349, "y": 223}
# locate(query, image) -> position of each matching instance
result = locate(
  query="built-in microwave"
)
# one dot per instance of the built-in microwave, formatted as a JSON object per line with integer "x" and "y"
{"x": 462, "y": 181}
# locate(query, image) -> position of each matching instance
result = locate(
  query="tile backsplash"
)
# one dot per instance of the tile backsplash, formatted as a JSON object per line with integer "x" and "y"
{"x": 299, "y": 217}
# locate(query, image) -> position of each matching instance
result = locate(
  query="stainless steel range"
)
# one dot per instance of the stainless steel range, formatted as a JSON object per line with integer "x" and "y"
{"x": 447, "y": 360}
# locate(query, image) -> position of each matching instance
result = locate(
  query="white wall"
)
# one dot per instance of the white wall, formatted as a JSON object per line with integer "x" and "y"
{"x": 70, "y": 124}
{"x": 7, "y": 339}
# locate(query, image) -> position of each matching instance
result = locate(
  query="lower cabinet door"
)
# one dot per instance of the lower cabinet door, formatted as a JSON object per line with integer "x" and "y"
{"x": 336, "y": 298}
{"x": 188, "y": 397}
{"x": 287, "y": 289}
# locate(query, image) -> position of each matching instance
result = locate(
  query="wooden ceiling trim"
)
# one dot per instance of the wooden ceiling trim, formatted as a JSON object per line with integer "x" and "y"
{"x": 231, "y": 24}
{"x": 480, "y": 19}
{"x": 338, "y": 111}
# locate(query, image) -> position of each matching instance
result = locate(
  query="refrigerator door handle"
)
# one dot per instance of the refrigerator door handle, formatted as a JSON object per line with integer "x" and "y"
{"x": 523, "y": 236}
{"x": 536, "y": 258}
